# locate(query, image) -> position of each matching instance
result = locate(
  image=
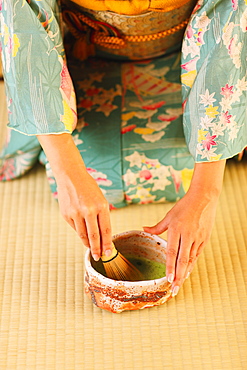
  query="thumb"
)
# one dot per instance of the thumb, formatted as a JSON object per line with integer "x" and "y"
{"x": 157, "y": 229}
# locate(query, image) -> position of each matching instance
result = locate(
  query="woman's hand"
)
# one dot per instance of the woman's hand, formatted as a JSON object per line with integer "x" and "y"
{"x": 189, "y": 223}
{"x": 85, "y": 208}
{"x": 81, "y": 201}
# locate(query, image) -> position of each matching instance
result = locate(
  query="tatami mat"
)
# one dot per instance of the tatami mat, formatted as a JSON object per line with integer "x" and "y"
{"x": 48, "y": 323}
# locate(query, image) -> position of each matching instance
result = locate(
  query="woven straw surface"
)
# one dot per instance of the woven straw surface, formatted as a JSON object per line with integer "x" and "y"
{"x": 46, "y": 322}
{"x": 1, "y": 72}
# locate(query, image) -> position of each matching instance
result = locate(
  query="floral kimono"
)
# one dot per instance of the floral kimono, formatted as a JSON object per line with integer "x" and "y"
{"x": 146, "y": 88}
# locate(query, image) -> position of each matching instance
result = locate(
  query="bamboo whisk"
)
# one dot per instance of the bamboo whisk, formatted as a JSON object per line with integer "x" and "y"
{"x": 117, "y": 267}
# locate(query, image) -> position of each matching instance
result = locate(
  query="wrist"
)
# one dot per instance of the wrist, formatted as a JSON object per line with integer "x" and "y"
{"x": 63, "y": 155}
{"x": 208, "y": 191}
{"x": 207, "y": 181}
{"x": 200, "y": 198}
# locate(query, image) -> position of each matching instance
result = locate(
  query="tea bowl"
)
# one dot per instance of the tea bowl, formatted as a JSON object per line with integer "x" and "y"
{"x": 117, "y": 295}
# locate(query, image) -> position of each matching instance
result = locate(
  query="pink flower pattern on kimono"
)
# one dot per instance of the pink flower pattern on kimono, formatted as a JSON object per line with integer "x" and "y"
{"x": 209, "y": 141}
{"x": 226, "y": 91}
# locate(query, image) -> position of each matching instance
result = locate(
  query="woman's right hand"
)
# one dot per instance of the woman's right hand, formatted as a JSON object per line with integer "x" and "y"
{"x": 85, "y": 208}
{"x": 81, "y": 201}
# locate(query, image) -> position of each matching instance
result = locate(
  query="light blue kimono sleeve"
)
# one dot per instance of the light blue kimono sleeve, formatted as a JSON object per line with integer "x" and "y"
{"x": 214, "y": 80}
{"x": 40, "y": 93}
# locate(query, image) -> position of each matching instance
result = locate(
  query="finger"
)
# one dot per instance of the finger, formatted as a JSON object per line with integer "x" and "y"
{"x": 181, "y": 264}
{"x": 173, "y": 240}
{"x": 198, "y": 251}
{"x": 81, "y": 230}
{"x": 93, "y": 236}
{"x": 105, "y": 232}
{"x": 71, "y": 223}
{"x": 192, "y": 260}
{"x": 159, "y": 228}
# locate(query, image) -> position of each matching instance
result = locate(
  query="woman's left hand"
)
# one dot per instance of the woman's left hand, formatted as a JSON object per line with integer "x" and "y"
{"x": 189, "y": 223}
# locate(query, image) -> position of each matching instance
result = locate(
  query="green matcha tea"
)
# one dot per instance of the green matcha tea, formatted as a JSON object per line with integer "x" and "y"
{"x": 150, "y": 269}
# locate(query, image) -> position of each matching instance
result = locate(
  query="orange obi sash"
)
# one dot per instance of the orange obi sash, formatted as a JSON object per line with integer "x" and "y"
{"x": 131, "y": 7}
{"x": 140, "y": 36}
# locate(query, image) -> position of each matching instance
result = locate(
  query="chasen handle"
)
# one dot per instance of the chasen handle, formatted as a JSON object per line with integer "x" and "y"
{"x": 113, "y": 255}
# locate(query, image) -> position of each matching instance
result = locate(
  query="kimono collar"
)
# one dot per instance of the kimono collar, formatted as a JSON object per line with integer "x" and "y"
{"x": 131, "y": 7}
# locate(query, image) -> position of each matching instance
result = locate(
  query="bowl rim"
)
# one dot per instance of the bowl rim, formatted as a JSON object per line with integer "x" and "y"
{"x": 117, "y": 283}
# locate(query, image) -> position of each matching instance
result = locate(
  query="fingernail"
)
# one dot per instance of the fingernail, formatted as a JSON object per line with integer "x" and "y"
{"x": 188, "y": 275}
{"x": 108, "y": 252}
{"x": 95, "y": 257}
{"x": 175, "y": 291}
{"x": 170, "y": 278}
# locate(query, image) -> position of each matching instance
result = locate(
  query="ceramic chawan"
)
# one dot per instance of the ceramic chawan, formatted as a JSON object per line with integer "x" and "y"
{"x": 116, "y": 295}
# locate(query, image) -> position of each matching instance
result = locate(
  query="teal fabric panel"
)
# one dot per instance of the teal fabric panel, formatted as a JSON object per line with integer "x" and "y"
{"x": 154, "y": 151}
{"x": 214, "y": 77}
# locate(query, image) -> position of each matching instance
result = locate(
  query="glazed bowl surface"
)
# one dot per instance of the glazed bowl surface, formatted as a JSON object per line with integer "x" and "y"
{"x": 117, "y": 295}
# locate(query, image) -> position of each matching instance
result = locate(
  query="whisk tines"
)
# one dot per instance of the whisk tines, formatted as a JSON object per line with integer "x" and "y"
{"x": 118, "y": 267}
